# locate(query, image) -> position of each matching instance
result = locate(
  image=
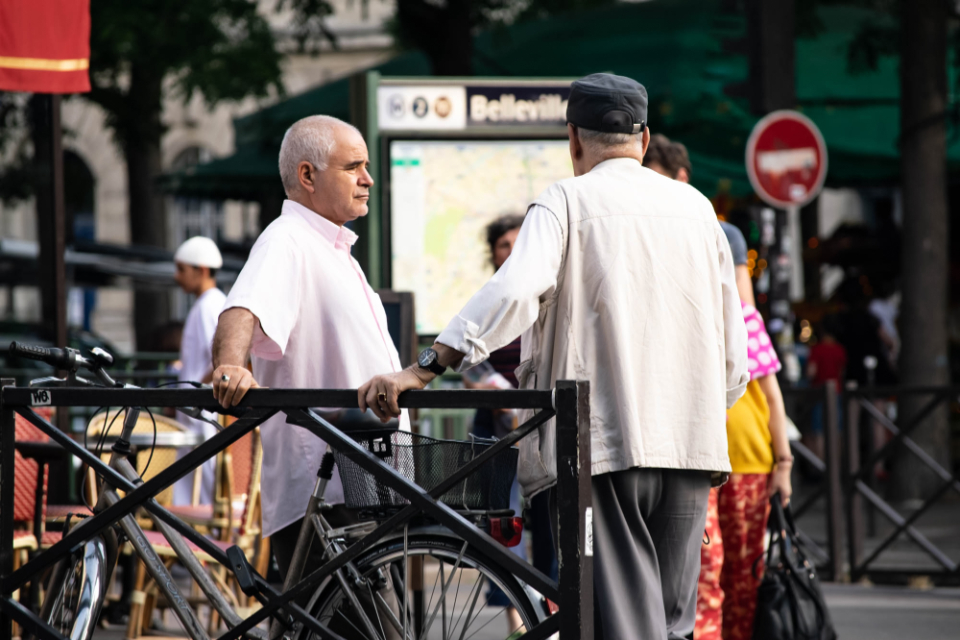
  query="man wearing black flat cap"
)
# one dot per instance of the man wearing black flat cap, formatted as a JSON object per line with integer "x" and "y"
{"x": 622, "y": 277}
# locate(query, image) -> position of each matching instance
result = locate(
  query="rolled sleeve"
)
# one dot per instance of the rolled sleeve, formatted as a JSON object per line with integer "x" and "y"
{"x": 510, "y": 301}
{"x": 462, "y": 335}
{"x": 269, "y": 287}
{"x": 734, "y": 329}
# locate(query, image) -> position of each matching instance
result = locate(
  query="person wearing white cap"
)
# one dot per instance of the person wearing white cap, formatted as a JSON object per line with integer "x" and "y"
{"x": 197, "y": 261}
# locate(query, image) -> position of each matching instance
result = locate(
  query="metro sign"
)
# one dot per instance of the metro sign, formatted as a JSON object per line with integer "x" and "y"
{"x": 786, "y": 159}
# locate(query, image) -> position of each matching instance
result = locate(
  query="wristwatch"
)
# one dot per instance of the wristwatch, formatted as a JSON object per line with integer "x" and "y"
{"x": 428, "y": 360}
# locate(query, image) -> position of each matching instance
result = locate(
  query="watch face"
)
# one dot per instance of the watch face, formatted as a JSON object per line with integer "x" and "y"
{"x": 426, "y": 358}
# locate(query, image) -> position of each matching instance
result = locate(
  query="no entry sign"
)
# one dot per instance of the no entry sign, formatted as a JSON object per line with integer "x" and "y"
{"x": 786, "y": 159}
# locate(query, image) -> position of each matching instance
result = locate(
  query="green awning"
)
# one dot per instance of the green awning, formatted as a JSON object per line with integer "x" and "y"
{"x": 252, "y": 171}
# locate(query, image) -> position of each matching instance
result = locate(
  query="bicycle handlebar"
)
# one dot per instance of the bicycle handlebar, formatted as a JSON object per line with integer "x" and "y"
{"x": 68, "y": 360}
{"x": 57, "y": 358}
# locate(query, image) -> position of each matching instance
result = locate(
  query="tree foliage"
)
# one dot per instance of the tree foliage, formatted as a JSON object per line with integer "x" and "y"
{"x": 144, "y": 51}
{"x": 442, "y": 29}
{"x": 222, "y": 49}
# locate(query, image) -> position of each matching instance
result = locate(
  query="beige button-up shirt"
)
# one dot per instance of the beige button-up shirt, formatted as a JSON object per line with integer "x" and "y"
{"x": 624, "y": 278}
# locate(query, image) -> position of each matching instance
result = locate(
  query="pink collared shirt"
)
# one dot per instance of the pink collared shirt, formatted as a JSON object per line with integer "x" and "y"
{"x": 321, "y": 326}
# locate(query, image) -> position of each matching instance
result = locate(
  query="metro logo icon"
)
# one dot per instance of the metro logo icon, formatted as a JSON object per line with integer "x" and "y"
{"x": 421, "y": 107}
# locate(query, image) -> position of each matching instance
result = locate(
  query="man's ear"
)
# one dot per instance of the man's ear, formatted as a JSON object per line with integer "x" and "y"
{"x": 645, "y": 139}
{"x": 576, "y": 147}
{"x": 306, "y": 175}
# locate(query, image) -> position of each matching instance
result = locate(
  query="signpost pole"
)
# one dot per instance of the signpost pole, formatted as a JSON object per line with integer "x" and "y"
{"x": 795, "y": 249}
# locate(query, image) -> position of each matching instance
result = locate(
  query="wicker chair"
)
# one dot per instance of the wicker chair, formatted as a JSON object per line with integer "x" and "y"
{"x": 163, "y": 456}
{"x": 234, "y": 518}
{"x": 29, "y": 533}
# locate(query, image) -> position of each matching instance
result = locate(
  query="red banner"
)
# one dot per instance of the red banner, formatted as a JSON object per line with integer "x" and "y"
{"x": 45, "y": 46}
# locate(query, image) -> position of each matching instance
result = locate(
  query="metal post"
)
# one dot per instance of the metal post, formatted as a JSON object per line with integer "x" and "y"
{"x": 575, "y": 511}
{"x": 7, "y": 439}
{"x": 51, "y": 217}
{"x": 854, "y": 500}
{"x": 51, "y": 236}
{"x": 834, "y": 483}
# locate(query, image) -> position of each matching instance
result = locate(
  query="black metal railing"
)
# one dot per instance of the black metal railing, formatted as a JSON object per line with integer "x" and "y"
{"x": 568, "y": 404}
{"x": 864, "y": 495}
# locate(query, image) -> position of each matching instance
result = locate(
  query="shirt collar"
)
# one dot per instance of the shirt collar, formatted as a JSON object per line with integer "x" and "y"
{"x": 609, "y": 162}
{"x": 339, "y": 237}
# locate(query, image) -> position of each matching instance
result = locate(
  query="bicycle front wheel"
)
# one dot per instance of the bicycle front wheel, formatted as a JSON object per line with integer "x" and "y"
{"x": 76, "y": 591}
{"x": 435, "y": 588}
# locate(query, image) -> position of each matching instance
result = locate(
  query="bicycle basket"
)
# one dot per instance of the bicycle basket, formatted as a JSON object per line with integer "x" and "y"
{"x": 427, "y": 461}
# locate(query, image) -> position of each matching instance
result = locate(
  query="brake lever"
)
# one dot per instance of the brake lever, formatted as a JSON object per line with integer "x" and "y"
{"x": 53, "y": 381}
{"x": 47, "y": 381}
{"x": 197, "y": 414}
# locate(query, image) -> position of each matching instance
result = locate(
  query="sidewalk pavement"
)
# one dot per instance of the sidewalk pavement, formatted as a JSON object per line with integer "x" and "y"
{"x": 893, "y": 613}
{"x": 859, "y": 613}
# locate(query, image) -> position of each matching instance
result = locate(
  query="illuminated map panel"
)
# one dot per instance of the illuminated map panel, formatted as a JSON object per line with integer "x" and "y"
{"x": 442, "y": 195}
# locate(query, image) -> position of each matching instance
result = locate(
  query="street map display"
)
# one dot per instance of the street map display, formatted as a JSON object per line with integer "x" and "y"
{"x": 442, "y": 196}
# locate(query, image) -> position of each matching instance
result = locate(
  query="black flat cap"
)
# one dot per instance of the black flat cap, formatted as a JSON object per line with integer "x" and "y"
{"x": 608, "y": 103}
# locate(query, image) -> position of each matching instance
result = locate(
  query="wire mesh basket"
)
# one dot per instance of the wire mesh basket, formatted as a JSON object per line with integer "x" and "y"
{"x": 427, "y": 461}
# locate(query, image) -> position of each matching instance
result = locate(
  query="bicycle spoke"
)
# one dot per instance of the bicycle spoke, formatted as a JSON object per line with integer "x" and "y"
{"x": 443, "y": 605}
{"x": 350, "y": 622}
{"x": 406, "y": 577}
{"x": 485, "y": 623}
{"x": 432, "y": 592}
{"x": 373, "y": 604}
{"x": 400, "y": 587}
{"x": 494, "y": 617}
{"x": 443, "y": 593}
{"x": 478, "y": 586}
{"x": 456, "y": 596}
{"x": 384, "y": 606}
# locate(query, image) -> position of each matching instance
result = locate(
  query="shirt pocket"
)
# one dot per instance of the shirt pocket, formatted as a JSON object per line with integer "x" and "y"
{"x": 531, "y": 470}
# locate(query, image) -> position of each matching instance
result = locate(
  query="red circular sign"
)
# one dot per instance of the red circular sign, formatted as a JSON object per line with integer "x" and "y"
{"x": 786, "y": 159}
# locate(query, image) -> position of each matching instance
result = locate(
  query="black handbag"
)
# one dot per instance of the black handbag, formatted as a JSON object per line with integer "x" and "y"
{"x": 790, "y": 603}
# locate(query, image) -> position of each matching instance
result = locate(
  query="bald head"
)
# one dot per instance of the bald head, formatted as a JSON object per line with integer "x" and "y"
{"x": 311, "y": 139}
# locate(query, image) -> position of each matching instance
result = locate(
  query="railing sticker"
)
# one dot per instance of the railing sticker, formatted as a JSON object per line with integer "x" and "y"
{"x": 588, "y": 533}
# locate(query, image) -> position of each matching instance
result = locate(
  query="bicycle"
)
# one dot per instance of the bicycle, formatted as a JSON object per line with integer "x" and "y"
{"x": 377, "y": 596}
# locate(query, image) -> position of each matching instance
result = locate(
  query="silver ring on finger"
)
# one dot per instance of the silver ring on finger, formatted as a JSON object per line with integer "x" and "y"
{"x": 224, "y": 378}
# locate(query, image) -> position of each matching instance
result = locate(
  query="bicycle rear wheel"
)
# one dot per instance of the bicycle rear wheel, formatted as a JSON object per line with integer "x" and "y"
{"x": 77, "y": 588}
{"x": 455, "y": 602}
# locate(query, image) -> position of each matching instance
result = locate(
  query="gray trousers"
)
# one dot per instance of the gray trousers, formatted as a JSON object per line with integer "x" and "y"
{"x": 648, "y": 526}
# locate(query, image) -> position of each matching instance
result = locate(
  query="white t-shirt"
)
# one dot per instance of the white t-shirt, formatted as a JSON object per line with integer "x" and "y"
{"x": 196, "y": 346}
{"x": 196, "y": 357}
{"x": 321, "y": 327}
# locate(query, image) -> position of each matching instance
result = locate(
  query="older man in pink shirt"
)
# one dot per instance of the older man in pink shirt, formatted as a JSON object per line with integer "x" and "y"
{"x": 302, "y": 308}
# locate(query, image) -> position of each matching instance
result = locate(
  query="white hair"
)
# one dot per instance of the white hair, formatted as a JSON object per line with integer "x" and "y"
{"x": 599, "y": 141}
{"x": 311, "y": 139}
